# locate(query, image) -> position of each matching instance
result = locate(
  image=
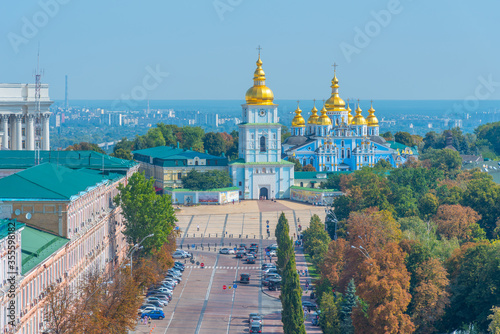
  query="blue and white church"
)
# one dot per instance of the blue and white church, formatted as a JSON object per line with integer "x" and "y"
{"x": 336, "y": 140}
{"x": 260, "y": 171}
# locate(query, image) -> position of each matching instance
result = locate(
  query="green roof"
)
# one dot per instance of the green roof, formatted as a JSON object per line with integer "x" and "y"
{"x": 260, "y": 124}
{"x": 70, "y": 159}
{"x": 398, "y": 146}
{"x": 315, "y": 189}
{"x": 36, "y": 246}
{"x": 4, "y": 227}
{"x": 167, "y": 156}
{"x": 313, "y": 175}
{"x": 214, "y": 190}
{"x": 48, "y": 182}
{"x": 242, "y": 162}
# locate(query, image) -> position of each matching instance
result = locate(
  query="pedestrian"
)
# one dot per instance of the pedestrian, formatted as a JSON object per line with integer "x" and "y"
{"x": 149, "y": 321}
{"x": 198, "y": 227}
{"x": 233, "y": 201}
{"x": 306, "y": 272}
{"x": 307, "y": 286}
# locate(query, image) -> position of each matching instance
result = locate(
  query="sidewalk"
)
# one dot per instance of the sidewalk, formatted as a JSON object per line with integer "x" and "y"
{"x": 302, "y": 265}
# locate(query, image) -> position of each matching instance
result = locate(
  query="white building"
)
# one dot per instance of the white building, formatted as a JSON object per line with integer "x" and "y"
{"x": 23, "y": 125}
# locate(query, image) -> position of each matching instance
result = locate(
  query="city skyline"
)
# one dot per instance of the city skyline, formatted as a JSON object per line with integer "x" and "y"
{"x": 159, "y": 51}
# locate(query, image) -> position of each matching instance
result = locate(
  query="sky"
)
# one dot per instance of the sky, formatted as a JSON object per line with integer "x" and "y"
{"x": 197, "y": 49}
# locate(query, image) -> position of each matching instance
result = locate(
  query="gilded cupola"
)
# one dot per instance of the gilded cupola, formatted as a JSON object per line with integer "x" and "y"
{"x": 372, "y": 119}
{"x": 335, "y": 103}
{"x": 298, "y": 120}
{"x": 324, "y": 119}
{"x": 313, "y": 119}
{"x": 259, "y": 93}
{"x": 358, "y": 119}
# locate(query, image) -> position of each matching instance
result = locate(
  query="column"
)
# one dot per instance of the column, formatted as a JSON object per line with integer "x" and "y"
{"x": 19, "y": 131}
{"x": 5, "y": 128}
{"x": 30, "y": 132}
{"x": 13, "y": 142}
{"x": 45, "y": 132}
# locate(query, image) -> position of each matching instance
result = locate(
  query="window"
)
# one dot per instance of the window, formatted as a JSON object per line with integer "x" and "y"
{"x": 342, "y": 143}
{"x": 348, "y": 153}
{"x": 239, "y": 183}
{"x": 262, "y": 144}
{"x": 179, "y": 176}
{"x": 263, "y": 170}
{"x": 312, "y": 161}
{"x": 274, "y": 136}
{"x": 328, "y": 159}
{"x": 366, "y": 158}
{"x": 240, "y": 192}
{"x": 301, "y": 184}
{"x": 342, "y": 154}
{"x": 196, "y": 162}
{"x": 251, "y": 136}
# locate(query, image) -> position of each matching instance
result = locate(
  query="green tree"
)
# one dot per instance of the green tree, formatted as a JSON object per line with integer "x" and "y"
{"x": 85, "y": 146}
{"x": 404, "y": 138}
{"x": 428, "y": 205}
{"x": 192, "y": 138}
{"x": 145, "y": 212}
{"x": 387, "y": 136}
{"x": 214, "y": 143}
{"x": 123, "y": 154}
{"x": 332, "y": 182}
{"x": 285, "y": 133}
{"x": 383, "y": 164}
{"x": 298, "y": 165}
{"x": 212, "y": 179}
{"x": 494, "y": 326}
{"x": 154, "y": 138}
{"x": 124, "y": 144}
{"x": 447, "y": 160}
{"x": 349, "y": 302}
{"x": 329, "y": 319}
{"x": 292, "y": 315}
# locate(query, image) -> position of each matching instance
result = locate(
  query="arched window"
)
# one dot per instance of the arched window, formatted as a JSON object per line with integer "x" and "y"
{"x": 312, "y": 161}
{"x": 301, "y": 184}
{"x": 342, "y": 154}
{"x": 342, "y": 143}
{"x": 262, "y": 144}
{"x": 348, "y": 153}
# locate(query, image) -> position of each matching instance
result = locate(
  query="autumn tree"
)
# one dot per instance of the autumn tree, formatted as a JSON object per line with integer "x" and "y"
{"x": 384, "y": 283}
{"x": 494, "y": 317}
{"x": 458, "y": 221}
{"x": 85, "y": 146}
{"x": 334, "y": 261}
{"x": 308, "y": 168}
{"x": 60, "y": 314}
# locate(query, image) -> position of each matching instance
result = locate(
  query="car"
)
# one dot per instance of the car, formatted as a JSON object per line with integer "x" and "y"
{"x": 253, "y": 249}
{"x": 179, "y": 255}
{"x": 226, "y": 251}
{"x": 309, "y": 305}
{"x": 255, "y": 328}
{"x": 156, "y": 314}
{"x": 243, "y": 246}
{"x": 178, "y": 279}
{"x": 156, "y": 299}
{"x": 162, "y": 298}
{"x": 256, "y": 318}
{"x": 251, "y": 259}
{"x": 177, "y": 267}
{"x": 272, "y": 253}
{"x": 265, "y": 280}
{"x": 154, "y": 303}
{"x": 151, "y": 293}
{"x": 161, "y": 294}
{"x": 187, "y": 254}
{"x": 270, "y": 271}
{"x": 268, "y": 265}
{"x": 271, "y": 247}
{"x": 251, "y": 315}
{"x": 147, "y": 308}
{"x": 254, "y": 245}
{"x": 245, "y": 278}
{"x": 241, "y": 249}
{"x": 274, "y": 284}
{"x": 240, "y": 254}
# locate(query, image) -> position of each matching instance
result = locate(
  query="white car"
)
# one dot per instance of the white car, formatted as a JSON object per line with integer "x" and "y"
{"x": 179, "y": 255}
{"x": 272, "y": 253}
{"x": 226, "y": 251}
{"x": 186, "y": 254}
{"x": 147, "y": 309}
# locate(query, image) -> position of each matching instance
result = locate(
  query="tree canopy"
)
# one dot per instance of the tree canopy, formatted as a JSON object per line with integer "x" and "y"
{"x": 212, "y": 179}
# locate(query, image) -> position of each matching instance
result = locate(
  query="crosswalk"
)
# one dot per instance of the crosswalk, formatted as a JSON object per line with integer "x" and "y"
{"x": 222, "y": 267}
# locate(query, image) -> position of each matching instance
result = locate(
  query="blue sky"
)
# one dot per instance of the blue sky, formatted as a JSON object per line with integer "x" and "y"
{"x": 414, "y": 50}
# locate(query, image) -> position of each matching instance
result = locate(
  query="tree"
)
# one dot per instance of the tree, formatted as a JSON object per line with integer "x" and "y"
{"x": 123, "y": 154}
{"x": 457, "y": 221}
{"x": 309, "y": 168}
{"x": 214, "y": 143}
{"x": 145, "y": 212}
{"x": 494, "y": 326}
{"x": 124, "y": 144}
{"x": 298, "y": 165}
{"x": 316, "y": 240}
{"x": 447, "y": 160}
{"x": 285, "y": 133}
{"x": 349, "y": 302}
{"x": 334, "y": 261}
{"x": 474, "y": 280}
{"x": 428, "y": 205}
{"x": 168, "y": 132}
{"x": 292, "y": 315}
{"x": 404, "y": 138}
{"x": 332, "y": 182}
{"x": 212, "y": 179}
{"x": 329, "y": 319}
{"x": 192, "y": 138}
{"x": 383, "y": 284}
{"x": 60, "y": 315}
{"x": 383, "y": 164}
{"x": 387, "y": 136}
{"x": 85, "y": 146}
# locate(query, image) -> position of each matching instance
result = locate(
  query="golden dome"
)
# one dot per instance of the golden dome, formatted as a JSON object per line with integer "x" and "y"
{"x": 313, "y": 119}
{"x": 358, "y": 119}
{"x": 324, "y": 119}
{"x": 259, "y": 93}
{"x": 372, "y": 119}
{"x": 298, "y": 120}
{"x": 349, "y": 115}
{"x": 335, "y": 103}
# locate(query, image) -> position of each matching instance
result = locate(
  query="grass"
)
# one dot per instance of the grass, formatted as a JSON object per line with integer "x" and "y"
{"x": 313, "y": 271}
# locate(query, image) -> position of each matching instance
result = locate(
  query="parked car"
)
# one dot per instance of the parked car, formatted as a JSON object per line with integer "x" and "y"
{"x": 309, "y": 305}
{"x": 240, "y": 254}
{"x": 245, "y": 278}
{"x": 146, "y": 309}
{"x": 268, "y": 265}
{"x": 156, "y": 299}
{"x": 154, "y": 303}
{"x": 226, "y": 251}
{"x": 272, "y": 253}
{"x": 271, "y": 247}
{"x": 186, "y": 254}
{"x": 156, "y": 314}
{"x": 253, "y": 249}
{"x": 266, "y": 279}
{"x": 274, "y": 284}
{"x": 243, "y": 246}
{"x": 270, "y": 271}
{"x": 251, "y": 259}
{"x": 179, "y": 255}
{"x": 254, "y": 245}
{"x": 180, "y": 264}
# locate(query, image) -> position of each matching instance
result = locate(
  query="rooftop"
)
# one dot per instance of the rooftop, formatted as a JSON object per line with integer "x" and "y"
{"x": 318, "y": 175}
{"x": 49, "y": 182}
{"x": 4, "y": 227}
{"x": 36, "y": 246}
{"x": 71, "y": 159}
{"x": 315, "y": 189}
{"x": 242, "y": 162}
{"x": 167, "y": 155}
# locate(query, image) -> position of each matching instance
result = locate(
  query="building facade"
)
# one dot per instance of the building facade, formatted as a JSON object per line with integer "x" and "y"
{"x": 59, "y": 206}
{"x": 24, "y": 120}
{"x": 260, "y": 171}
{"x": 336, "y": 140}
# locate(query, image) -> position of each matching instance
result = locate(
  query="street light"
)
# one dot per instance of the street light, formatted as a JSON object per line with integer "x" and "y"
{"x": 329, "y": 212}
{"x": 136, "y": 247}
{"x": 363, "y": 251}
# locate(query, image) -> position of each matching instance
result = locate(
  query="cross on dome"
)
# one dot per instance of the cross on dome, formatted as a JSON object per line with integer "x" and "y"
{"x": 259, "y": 48}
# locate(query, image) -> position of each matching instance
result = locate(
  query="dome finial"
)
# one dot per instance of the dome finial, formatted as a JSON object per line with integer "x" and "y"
{"x": 259, "y": 93}
{"x": 298, "y": 120}
{"x": 372, "y": 119}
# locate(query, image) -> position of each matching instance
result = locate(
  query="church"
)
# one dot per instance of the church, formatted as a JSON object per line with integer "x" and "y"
{"x": 333, "y": 141}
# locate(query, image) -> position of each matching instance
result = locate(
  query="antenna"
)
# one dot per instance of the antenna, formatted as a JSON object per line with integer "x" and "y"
{"x": 38, "y": 115}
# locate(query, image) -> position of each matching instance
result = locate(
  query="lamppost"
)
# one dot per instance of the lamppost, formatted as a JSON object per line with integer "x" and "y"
{"x": 331, "y": 214}
{"x": 136, "y": 247}
{"x": 363, "y": 251}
